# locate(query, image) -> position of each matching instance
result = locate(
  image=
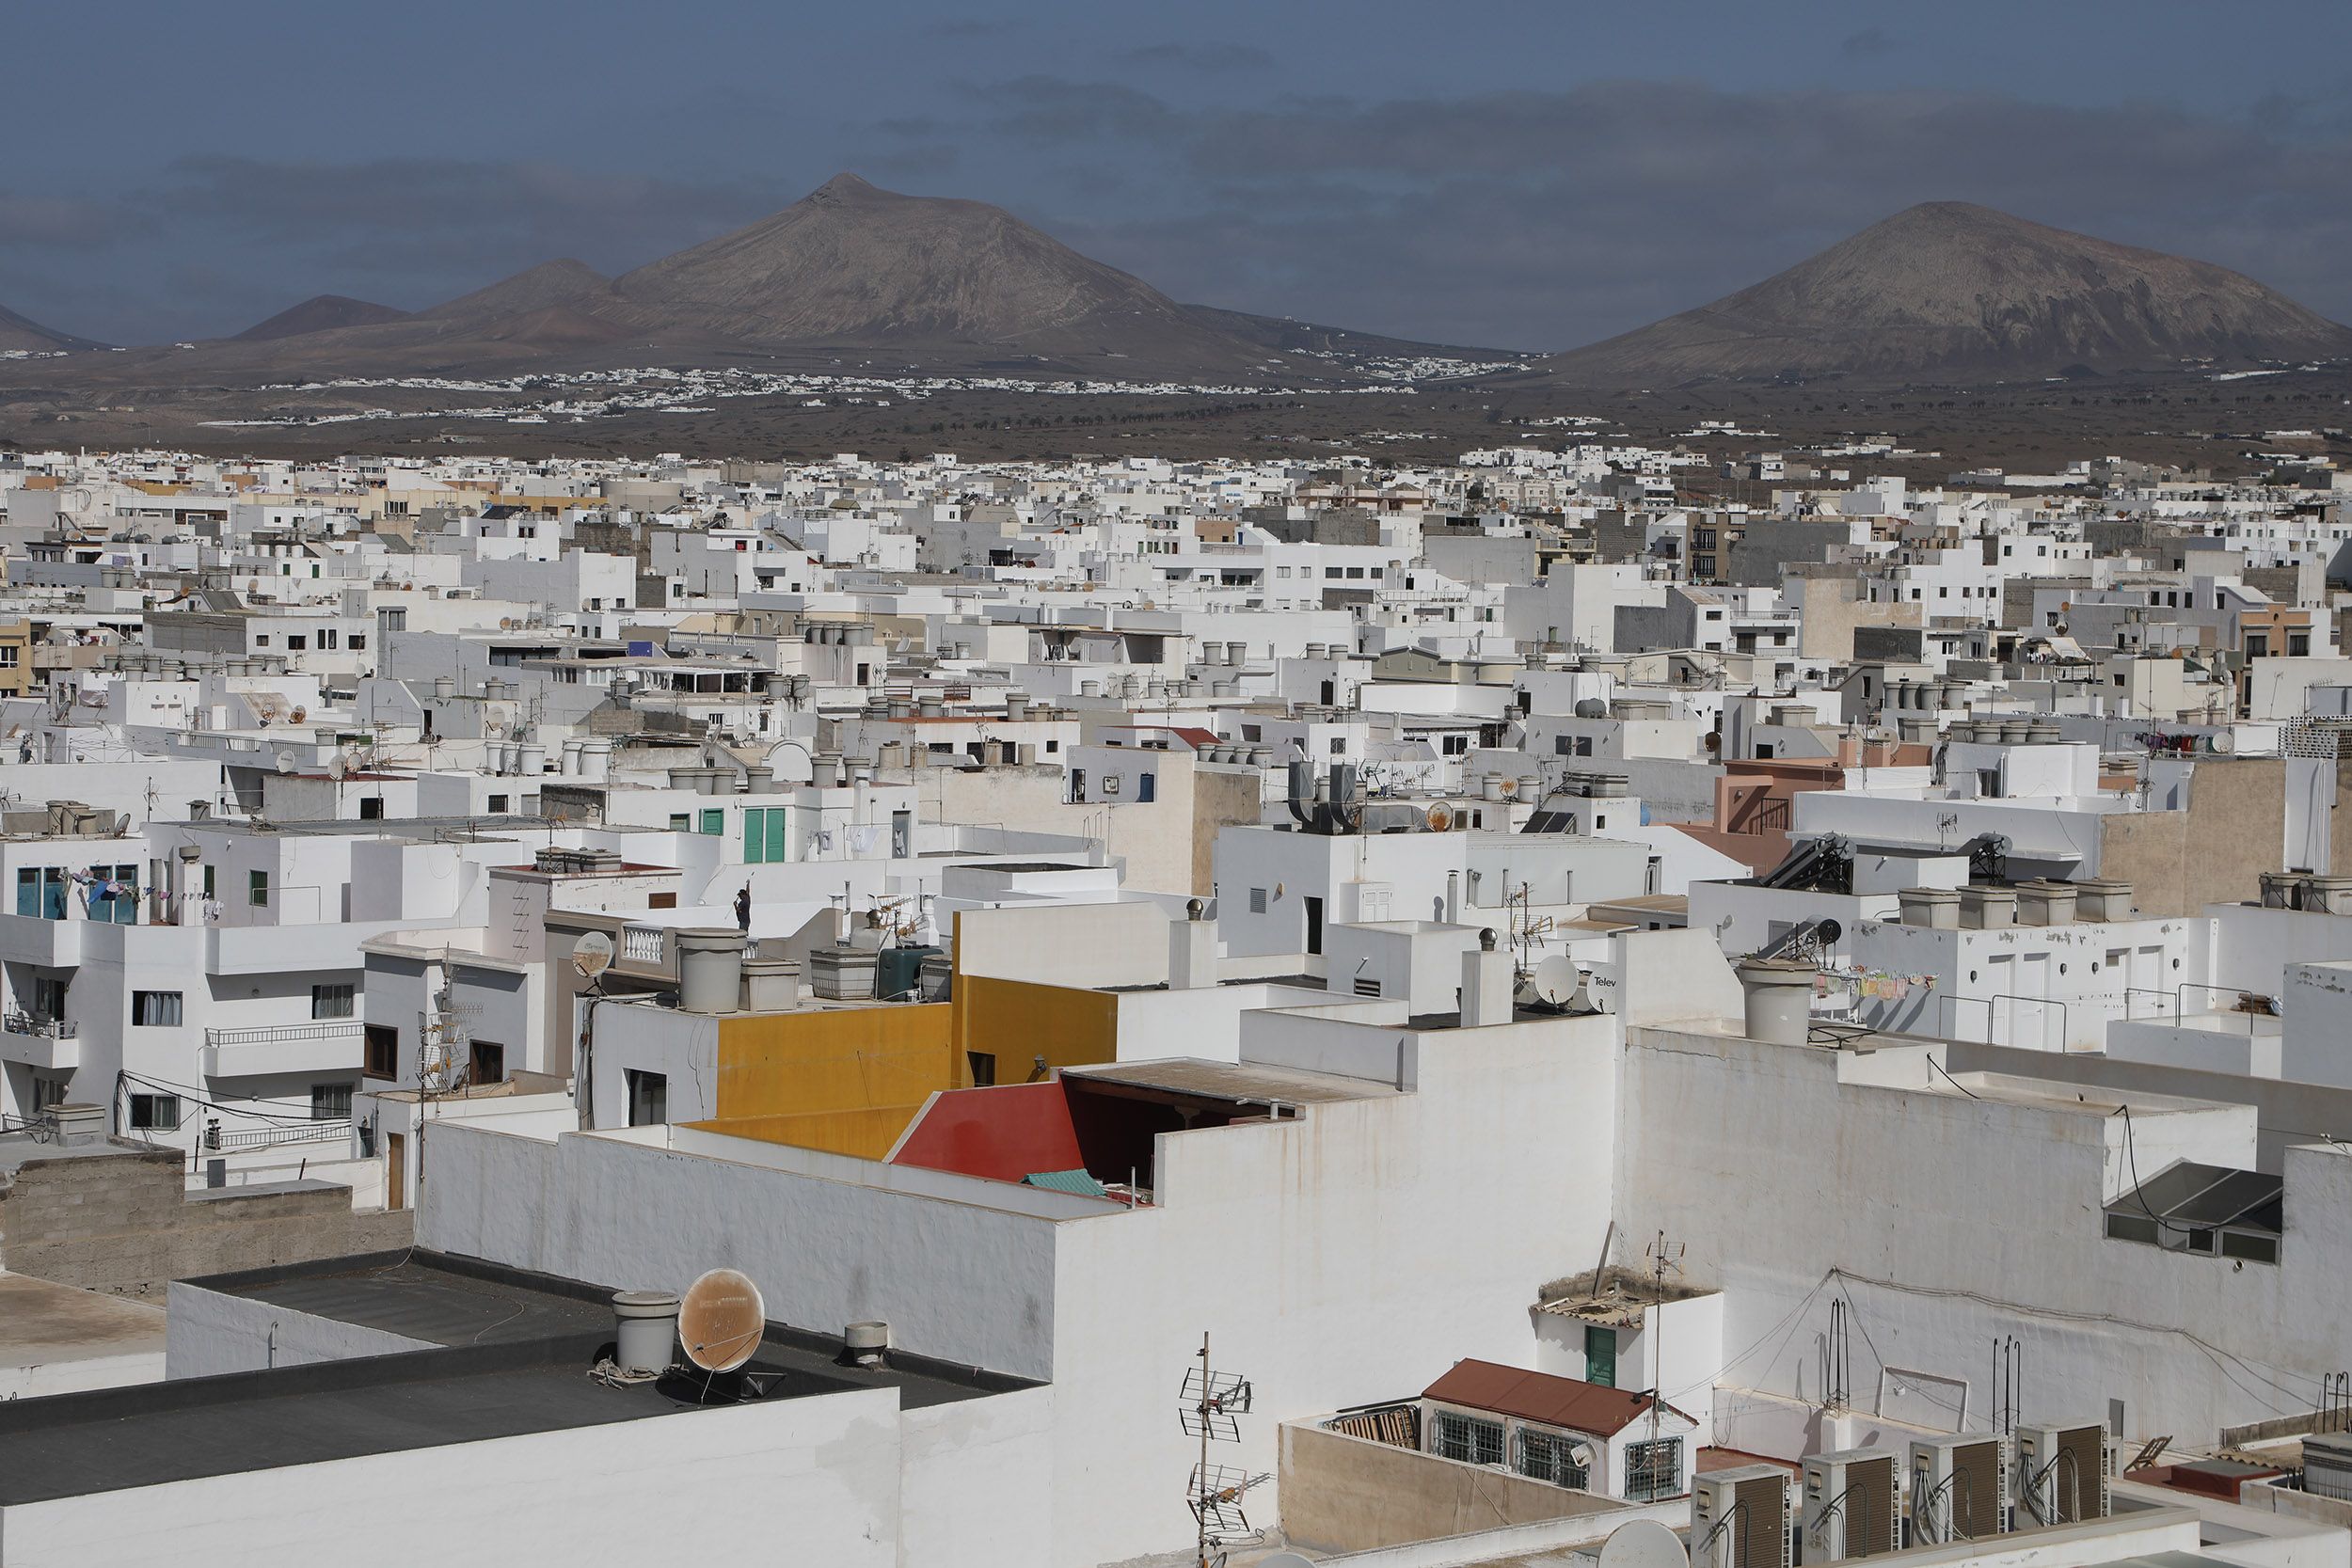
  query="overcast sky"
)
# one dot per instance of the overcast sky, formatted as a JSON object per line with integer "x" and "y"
{"x": 1529, "y": 175}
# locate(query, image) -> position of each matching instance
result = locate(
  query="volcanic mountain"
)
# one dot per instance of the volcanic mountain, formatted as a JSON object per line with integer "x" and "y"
{"x": 853, "y": 265}
{"x": 18, "y": 335}
{"x": 1955, "y": 292}
{"x": 320, "y": 313}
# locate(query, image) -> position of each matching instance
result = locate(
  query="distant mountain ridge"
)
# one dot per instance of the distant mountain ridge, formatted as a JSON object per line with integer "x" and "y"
{"x": 320, "y": 313}
{"x": 21, "y": 336}
{"x": 1950, "y": 291}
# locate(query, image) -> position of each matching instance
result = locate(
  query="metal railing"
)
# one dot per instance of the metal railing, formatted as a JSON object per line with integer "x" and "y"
{"x": 325, "y": 1029}
{"x": 46, "y": 1028}
{"x": 272, "y": 1138}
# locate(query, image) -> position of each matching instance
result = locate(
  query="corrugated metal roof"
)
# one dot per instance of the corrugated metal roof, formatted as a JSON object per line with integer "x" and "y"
{"x": 1076, "y": 1181}
{"x": 1559, "y": 1401}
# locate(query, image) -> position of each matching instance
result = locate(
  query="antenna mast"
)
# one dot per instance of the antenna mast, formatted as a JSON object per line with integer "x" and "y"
{"x": 1211, "y": 1400}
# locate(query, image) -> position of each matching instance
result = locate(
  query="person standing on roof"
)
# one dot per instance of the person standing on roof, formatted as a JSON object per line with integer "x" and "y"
{"x": 743, "y": 909}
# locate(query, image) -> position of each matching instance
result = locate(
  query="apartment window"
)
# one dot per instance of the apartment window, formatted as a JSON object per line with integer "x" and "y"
{"x": 359, "y": 641}
{"x": 2299, "y": 643}
{"x": 380, "y": 1054}
{"x": 2257, "y": 646}
{"x": 681, "y": 823}
{"x": 1257, "y": 900}
{"x": 296, "y": 642}
{"x": 1144, "y": 786}
{"x": 155, "y": 1009}
{"x": 9, "y": 656}
{"x": 1549, "y": 1456}
{"x": 714, "y": 821}
{"x": 372, "y": 808}
{"x": 648, "y": 1097}
{"x": 40, "y": 891}
{"x": 983, "y": 1065}
{"x": 257, "y": 889}
{"x": 330, "y": 1102}
{"x": 154, "y": 1113}
{"x": 48, "y": 997}
{"x": 499, "y": 804}
{"x": 487, "y": 1063}
{"x": 1473, "y": 1439}
{"x": 208, "y": 881}
{"x": 326, "y": 639}
{"x": 333, "y": 1001}
{"x": 1653, "y": 1470}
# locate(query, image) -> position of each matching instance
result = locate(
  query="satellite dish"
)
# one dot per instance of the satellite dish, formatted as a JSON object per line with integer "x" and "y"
{"x": 1556, "y": 978}
{"x": 1439, "y": 817}
{"x": 592, "y": 955}
{"x": 721, "y": 1320}
{"x": 1828, "y": 931}
{"x": 285, "y": 762}
{"x": 336, "y": 766}
{"x": 1643, "y": 1543}
{"x": 2225, "y": 743}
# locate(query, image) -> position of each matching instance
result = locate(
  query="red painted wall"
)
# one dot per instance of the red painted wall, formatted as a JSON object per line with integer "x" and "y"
{"x": 1006, "y": 1132}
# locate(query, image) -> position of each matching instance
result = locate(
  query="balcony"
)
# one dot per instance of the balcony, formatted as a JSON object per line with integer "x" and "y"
{"x": 47, "y": 1043}
{"x": 324, "y": 1045}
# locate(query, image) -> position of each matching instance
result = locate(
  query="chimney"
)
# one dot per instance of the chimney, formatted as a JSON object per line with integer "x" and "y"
{"x": 1487, "y": 984}
{"x": 1191, "y": 950}
{"x": 1779, "y": 999}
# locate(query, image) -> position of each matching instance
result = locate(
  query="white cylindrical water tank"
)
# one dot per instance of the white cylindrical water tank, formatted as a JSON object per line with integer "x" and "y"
{"x": 571, "y": 765}
{"x": 596, "y": 759}
{"x": 531, "y": 758}
{"x": 1779, "y": 999}
{"x": 646, "y": 1331}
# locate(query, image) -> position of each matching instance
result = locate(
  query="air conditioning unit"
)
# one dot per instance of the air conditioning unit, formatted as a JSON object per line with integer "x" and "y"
{"x": 2062, "y": 1473}
{"x": 1739, "y": 1518}
{"x": 1959, "y": 1489}
{"x": 1853, "y": 1504}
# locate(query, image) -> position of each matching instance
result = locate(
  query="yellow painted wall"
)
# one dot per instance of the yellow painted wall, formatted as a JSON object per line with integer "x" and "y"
{"x": 1017, "y": 1022}
{"x": 848, "y": 1081}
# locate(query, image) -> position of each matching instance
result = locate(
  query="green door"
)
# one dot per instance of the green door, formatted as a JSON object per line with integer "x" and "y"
{"x": 1601, "y": 1355}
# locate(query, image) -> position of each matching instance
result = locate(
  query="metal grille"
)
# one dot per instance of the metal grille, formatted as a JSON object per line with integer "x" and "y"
{"x": 1550, "y": 1456}
{"x": 1653, "y": 1470}
{"x": 1870, "y": 1507}
{"x": 1975, "y": 1504}
{"x": 1468, "y": 1438}
{"x": 1761, "y": 1526}
{"x": 2078, "y": 1484}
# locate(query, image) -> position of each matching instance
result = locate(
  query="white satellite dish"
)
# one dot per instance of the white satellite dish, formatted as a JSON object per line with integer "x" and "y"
{"x": 592, "y": 955}
{"x": 1643, "y": 1543}
{"x": 336, "y": 766}
{"x": 1556, "y": 978}
{"x": 2225, "y": 743}
{"x": 285, "y": 762}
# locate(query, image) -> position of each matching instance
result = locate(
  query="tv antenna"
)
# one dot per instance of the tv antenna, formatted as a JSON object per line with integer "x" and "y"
{"x": 1664, "y": 1257}
{"x": 1210, "y": 1406}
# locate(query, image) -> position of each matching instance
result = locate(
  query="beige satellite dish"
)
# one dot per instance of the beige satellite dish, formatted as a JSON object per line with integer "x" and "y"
{"x": 592, "y": 955}
{"x": 1643, "y": 1543}
{"x": 721, "y": 1320}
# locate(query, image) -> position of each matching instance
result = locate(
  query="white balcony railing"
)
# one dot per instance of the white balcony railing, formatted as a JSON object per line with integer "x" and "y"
{"x": 644, "y": 945}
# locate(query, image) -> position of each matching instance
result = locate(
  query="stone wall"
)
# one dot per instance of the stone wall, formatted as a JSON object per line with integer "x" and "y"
{"x": 123, "y": 1222}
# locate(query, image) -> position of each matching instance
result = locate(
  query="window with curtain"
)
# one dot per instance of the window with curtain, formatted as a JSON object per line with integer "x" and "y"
{"x": 155, "y": 1009}
{"x": 333, "y": 1001}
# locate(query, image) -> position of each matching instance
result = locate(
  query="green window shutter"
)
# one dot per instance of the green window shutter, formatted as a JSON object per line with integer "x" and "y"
{"x": 754, "y": 843}
{"x": 715, "y": 820}
{"x": 775, "y": 834}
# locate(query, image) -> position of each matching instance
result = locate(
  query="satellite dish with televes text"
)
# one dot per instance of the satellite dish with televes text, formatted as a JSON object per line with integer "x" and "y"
{"x": 1643, "y": 1543}
{"x": 721, "y": 1320}
{"x": 592, "y": 955}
